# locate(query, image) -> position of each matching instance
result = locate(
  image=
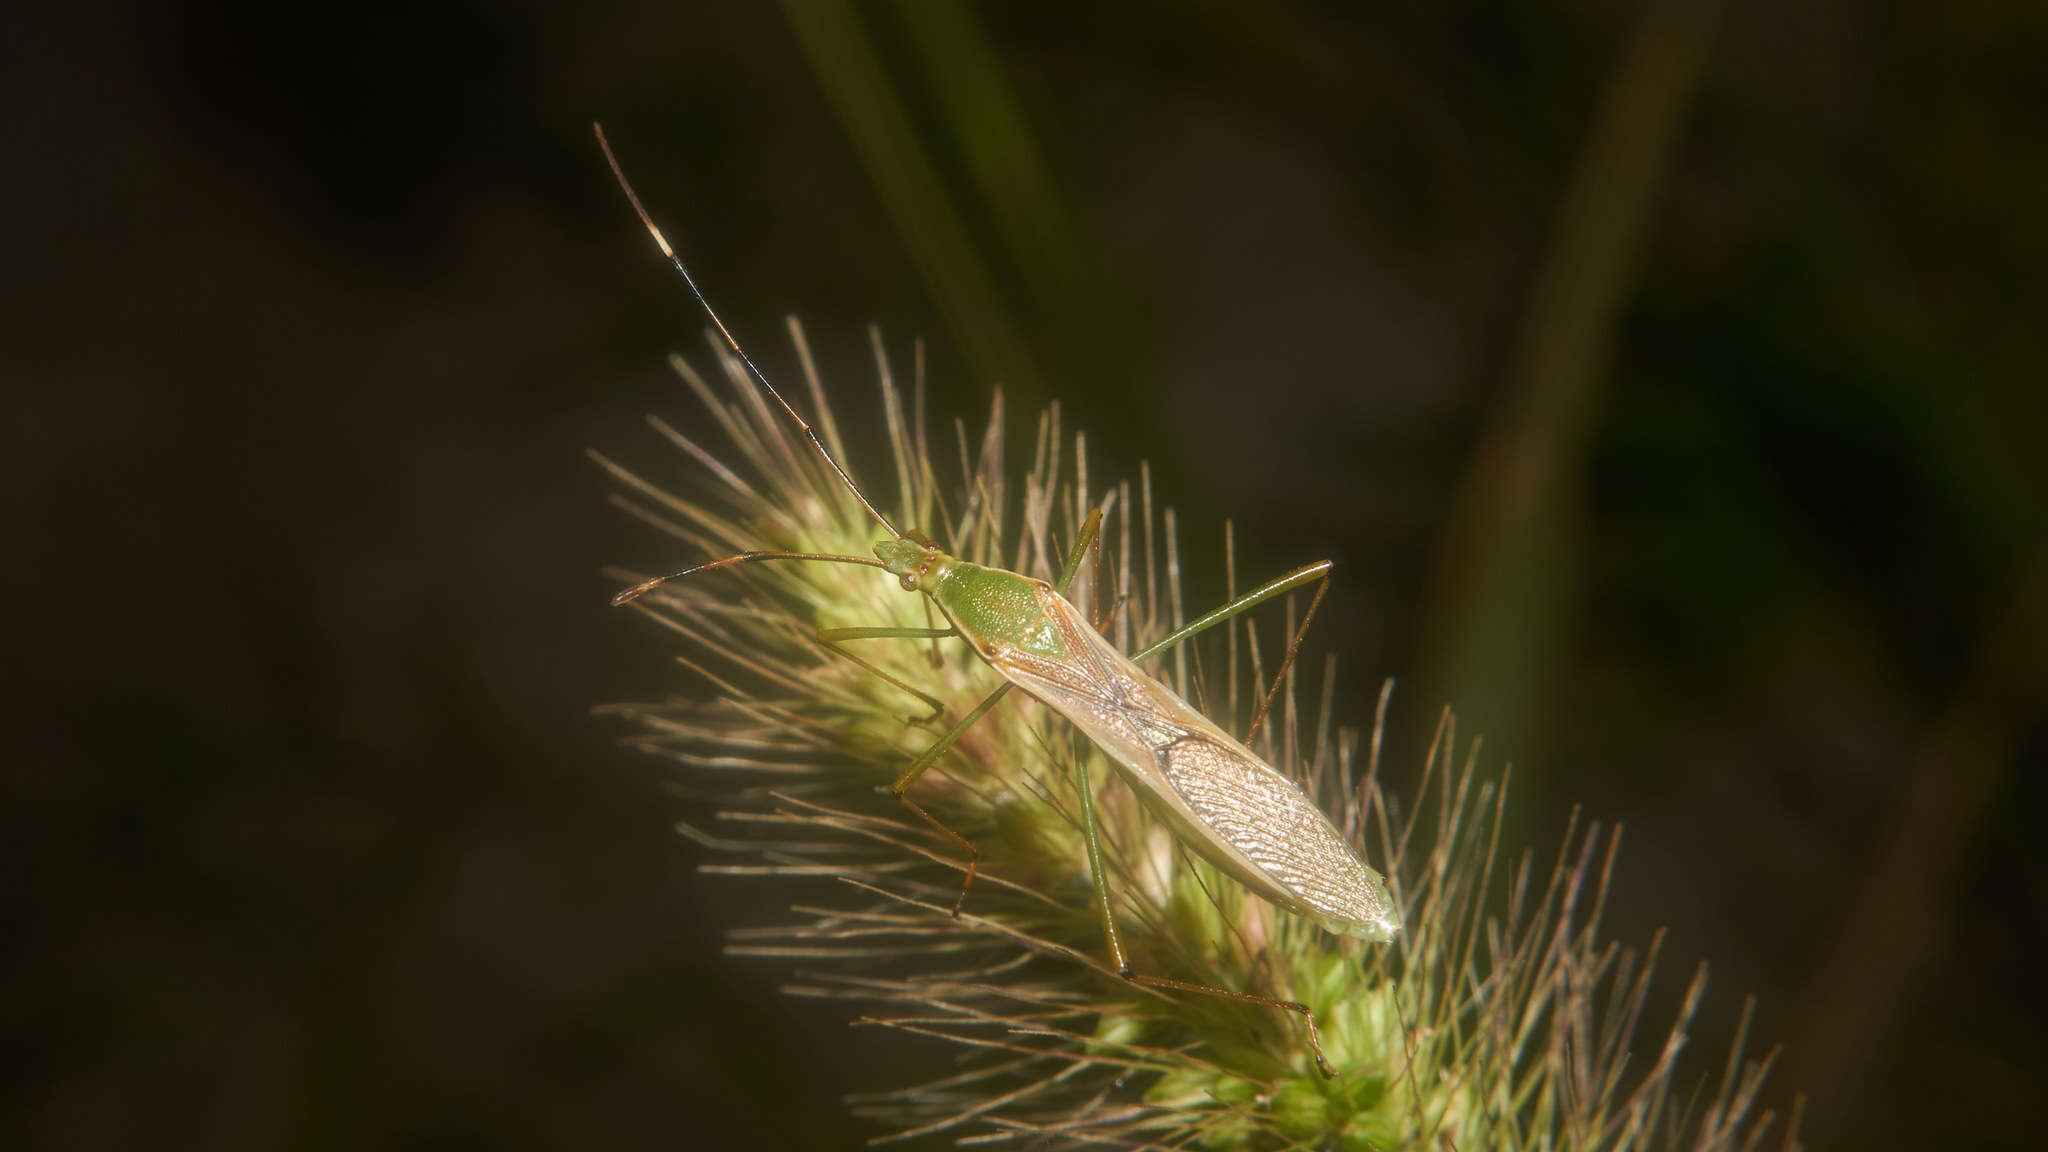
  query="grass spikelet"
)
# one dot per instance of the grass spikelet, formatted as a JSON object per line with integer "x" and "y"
{"x": 1496, "y": 1019}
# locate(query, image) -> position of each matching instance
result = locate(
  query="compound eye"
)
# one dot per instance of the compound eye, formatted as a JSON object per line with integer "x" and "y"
{"x": 931, "y": 545}
{"x": 908, "y": 581}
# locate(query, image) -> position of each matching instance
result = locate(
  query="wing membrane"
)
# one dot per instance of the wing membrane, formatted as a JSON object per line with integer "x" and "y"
{"x": 1235, "y": 810}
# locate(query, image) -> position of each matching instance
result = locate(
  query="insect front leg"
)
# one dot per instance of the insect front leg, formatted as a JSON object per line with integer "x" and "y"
{"x": 832, "y": 638}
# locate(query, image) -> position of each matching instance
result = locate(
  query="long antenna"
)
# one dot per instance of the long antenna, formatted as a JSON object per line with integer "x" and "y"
{"x": 760, "y": 377}
{"x": 646, "y": 586}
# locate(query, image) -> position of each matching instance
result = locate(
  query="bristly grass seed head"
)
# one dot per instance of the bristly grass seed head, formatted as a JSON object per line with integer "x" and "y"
{"x": 1495, "y": 1019}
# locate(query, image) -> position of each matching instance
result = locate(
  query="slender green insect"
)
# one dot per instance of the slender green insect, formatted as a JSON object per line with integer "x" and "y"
{"x": 1222, "y": 801}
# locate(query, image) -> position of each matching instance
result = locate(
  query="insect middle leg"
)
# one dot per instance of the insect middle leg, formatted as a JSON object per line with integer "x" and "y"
{"x": 1105, "y": 908}
{"x": 1317, "y": 574}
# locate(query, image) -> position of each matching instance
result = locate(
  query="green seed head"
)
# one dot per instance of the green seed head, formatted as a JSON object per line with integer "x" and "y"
{"x": 1495, "y": 1017}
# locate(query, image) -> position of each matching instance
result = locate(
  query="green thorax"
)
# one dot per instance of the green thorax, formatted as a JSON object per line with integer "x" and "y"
{"x": 991, "y": 608}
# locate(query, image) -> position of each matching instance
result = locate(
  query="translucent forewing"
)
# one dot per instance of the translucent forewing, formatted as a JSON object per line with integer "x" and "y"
{"x": 1233, "y": 809}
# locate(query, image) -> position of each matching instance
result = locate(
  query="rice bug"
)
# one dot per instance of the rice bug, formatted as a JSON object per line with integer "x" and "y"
{"x": 1222, "y": 801}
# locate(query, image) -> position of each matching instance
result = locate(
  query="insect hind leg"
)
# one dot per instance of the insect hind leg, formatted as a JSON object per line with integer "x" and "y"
{"x": 1308, "y": 1016}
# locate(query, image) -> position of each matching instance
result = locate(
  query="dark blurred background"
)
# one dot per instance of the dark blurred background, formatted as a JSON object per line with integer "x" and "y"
{"x": 1665, "y": 381}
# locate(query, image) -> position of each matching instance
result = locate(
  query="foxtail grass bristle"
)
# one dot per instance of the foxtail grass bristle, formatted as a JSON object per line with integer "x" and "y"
{"x": 1496, "y": 1019}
